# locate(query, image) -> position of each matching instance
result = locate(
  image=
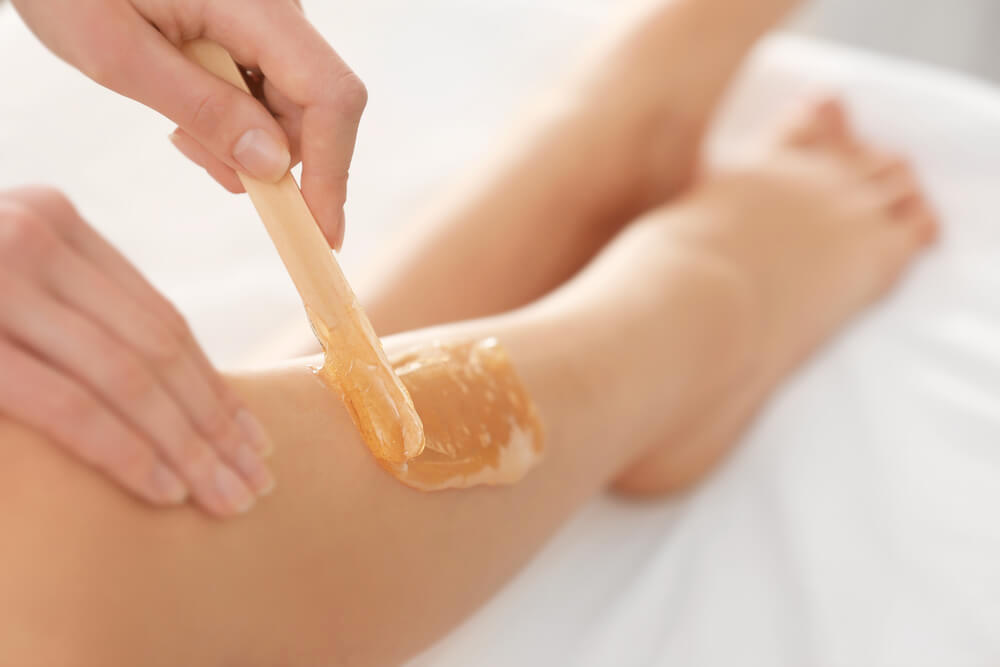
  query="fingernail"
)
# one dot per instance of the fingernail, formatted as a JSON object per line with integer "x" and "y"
{"x": 255, "y": 433}
{"x": 233, "y": 491}
{"x": 167, "y": 486}
{"x": 338, "y": 239}
{"x": 254, "y": 470}
{"x": 262, "y": 156}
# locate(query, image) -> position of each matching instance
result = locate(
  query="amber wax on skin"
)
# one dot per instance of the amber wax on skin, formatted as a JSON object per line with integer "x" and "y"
{"x": 373, "y": 394}
{"x": 480, "y": 425}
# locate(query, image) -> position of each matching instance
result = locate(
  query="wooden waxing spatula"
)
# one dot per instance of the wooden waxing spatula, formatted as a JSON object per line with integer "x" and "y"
{"x": 355, "y": 361}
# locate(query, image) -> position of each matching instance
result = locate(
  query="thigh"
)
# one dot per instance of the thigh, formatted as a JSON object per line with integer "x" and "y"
{"x": 89, "y": 576}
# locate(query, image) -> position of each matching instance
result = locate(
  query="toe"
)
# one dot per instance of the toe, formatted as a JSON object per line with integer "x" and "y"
{"x": 905, "y": 206}
{"x": 910, "y": 207}
{"x": 914, "y": 226}
{"x": 921, "y": 218}
{"x": 831, "y": 119}
{"x": 930, "y": 223}
{"x": 895, "y": 186}
{"x": 897, "y": 191}
{"x": 821, "y": 122}
{"x": 882, "y": 166}
{"x": 898, "y": 187}
{"x": 900, "y": 244}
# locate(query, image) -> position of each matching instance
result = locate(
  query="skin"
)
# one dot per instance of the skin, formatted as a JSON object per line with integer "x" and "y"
{"x": 344, "y": 552}
{"x": 634, "y": 145}
{"x": 344, "y": 559}
{"x": 633, "y": 142}
{"x": 875, "y": 195}
{"x": 109, "y": 370}
{"x": 308, "y": 106}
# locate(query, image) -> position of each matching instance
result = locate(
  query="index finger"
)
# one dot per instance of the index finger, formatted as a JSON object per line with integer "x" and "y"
{"x": 277, "y": 38}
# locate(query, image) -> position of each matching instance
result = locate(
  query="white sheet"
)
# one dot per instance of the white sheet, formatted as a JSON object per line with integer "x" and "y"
{"x": 856, "y": 524}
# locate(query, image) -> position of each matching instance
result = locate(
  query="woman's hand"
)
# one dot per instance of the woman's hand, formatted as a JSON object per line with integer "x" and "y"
{"x": 93, "y": 357}
{"x": 313, "y": 100}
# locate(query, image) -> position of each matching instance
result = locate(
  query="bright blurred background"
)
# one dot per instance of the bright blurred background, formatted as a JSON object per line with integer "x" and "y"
{"x": 961, "y": 34}
{"x": 954, "y": 33}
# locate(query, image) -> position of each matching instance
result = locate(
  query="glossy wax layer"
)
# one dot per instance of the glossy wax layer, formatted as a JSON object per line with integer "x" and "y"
{"x": 480, "y": 425}
{"x": 355, "y": 365}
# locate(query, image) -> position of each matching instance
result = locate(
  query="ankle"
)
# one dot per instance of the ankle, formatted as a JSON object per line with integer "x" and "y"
{"x": 722, "y": 311}
{"x": 670, "y": 349}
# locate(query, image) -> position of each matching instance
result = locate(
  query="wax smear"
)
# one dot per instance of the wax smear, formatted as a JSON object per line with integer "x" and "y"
{"x": 480, "y": 425}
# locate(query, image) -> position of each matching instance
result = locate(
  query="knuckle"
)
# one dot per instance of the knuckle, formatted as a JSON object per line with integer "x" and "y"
{"x": 350, "y": 95}
{"x": 164, "y": 349}
{"x": 51, "y": 206}
{"x": 126, "y": 378}
{"x": 47, "y": 195}
{"x": 127, "y": 458}
{"x": 192, "y": 455}
{"x": 216, "y": 424}
{"x": 170, "y": 318}
{"x": 208, "y": 116}
{"x": 25, "y": 235}
{"x": 75, "y": 407}
{"x": 178, "y": 324}
{"x": 62, "y": 213}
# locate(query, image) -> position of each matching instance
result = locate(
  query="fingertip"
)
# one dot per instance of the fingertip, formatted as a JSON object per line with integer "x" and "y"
{"x": 185, "y": 144}
{"x": 254, "y": 432}
{"x": 218, "y": 170}
{"x": 235, "y": 494}
{"x": 167, "y": 487}
{"x": 327, "y": 206}
{"x": 229, "y": 180}
{"x": 225, "y": 177}
{"x": 340, "y": 230}
{"x": 254, "y": 471}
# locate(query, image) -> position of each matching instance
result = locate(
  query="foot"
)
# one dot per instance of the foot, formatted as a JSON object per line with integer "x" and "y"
{"x": 816, "y": 231}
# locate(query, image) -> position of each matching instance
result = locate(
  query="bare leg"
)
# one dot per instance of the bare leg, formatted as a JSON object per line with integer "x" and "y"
{"x": 621, "y": 137}
{"x": 346, "y": 566}
{"x": 887, "y": 187}
{"x": 343, "y": 564}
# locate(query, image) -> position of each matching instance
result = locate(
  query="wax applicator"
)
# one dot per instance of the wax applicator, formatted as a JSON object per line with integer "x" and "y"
{"x": 354, "y": 359}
